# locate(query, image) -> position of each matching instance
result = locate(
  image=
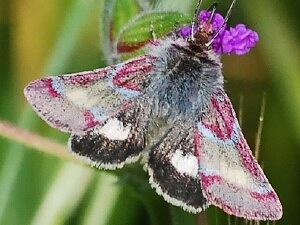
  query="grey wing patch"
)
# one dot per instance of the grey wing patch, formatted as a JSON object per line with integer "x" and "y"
{"x": 119, "y": 141}
{"x": 173, "y": 169}
{"x": 78, "y": 102}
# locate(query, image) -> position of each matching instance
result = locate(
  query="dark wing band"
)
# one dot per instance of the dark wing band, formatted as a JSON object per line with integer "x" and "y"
{"x": 173, "y": 169}
{"x": 121, "y": 140}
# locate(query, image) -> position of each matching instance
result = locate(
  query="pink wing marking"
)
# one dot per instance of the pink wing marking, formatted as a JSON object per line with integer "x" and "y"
{"x": 77, "y": 102}
{"x": 240, "y": 201}
{"x": 52, "y": 105}
{"x": 248, "y": 159}
{"x": 133, "y": 74}
{"x": 222, "y": 123}
{"x": 270, "y": 196}
{"x": 197, "y": 141}
{"x": 87, "y": 78}
{"x": 90, "y": 120}
{"x": 209, "y": 180}
{"x": 56, "y": 85}
{"x": 230, "y": 176}
{"x": 49, "y": 85}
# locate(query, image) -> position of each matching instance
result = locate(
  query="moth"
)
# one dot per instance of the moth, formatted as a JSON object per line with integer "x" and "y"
{"x": 168, "y": 107}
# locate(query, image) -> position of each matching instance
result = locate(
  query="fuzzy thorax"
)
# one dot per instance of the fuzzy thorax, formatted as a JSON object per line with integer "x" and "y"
{"x": 183, "y": 80}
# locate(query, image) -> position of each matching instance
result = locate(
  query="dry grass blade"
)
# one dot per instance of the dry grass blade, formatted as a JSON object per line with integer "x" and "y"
{"x": 32, "y": 140}
{"x": 260, "y": 126}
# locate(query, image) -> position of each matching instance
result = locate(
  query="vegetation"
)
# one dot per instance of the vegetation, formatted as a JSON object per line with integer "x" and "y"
{"x": 40, "y": 183}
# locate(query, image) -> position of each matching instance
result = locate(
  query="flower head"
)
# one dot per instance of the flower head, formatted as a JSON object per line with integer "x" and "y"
{"x": 185, "y": 32}
{"x": 237, "y": 40}
{"x": 217, "y": 20}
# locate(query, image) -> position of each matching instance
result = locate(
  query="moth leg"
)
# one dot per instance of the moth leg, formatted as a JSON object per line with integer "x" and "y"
{"x": 173, "y": 169}
{"x": 119, "y": 141}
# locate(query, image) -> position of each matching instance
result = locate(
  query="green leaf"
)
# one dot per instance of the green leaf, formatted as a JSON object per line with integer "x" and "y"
{"x": 106, "y": 203}
{"x": 62, "y": 198}
{"x": 115, "y": 15}
{"x": 123, "y": 13}
{"x": 176, "y": 5}
{"x": 140, "y": 31}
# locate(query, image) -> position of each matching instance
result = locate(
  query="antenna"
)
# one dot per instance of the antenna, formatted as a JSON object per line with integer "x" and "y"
{"x": 213, "y": 9}
{"x": 225, "y": 21}
{"x": 195, "y": 17}
{"x": 229, "y": 11}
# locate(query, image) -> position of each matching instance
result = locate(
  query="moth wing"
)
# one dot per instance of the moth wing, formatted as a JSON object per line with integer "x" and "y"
{"x": 77, "y": 102}
{"x": 173, "y": 169}
{"x": 119, "y": 141}
{"x": 231, "y": 177}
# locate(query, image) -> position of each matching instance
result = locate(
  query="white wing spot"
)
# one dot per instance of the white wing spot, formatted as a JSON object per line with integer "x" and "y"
{"x": 81, "y": 97}
{"x": 114, "y": 130}
{"x": 185, "y": 164}
{"x": 234, "y": 175}
{"x": 222, "y": 159}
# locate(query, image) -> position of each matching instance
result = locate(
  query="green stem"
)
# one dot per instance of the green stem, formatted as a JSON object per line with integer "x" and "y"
{"x": 105, "y": 37}
{"x": 260, "y": 126}
{"x": 103, "y": 200}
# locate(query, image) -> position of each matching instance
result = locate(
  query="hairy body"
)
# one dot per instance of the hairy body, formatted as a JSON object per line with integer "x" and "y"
{"x": 182, "y": 82}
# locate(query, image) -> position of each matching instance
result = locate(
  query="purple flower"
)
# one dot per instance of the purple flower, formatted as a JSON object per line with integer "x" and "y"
{"x": 203, "y": 17}
{"x": 237, "y": 40}
{"x": 185, "y": 32}
{"x": 217, "y": 45}
{"x": 217, "y": 20}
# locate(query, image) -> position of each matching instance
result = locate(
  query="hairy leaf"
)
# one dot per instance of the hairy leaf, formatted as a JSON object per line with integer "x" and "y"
{"x": 146, "y": 26}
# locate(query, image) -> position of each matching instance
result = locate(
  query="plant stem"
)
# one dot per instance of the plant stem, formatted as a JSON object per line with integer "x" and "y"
{"x": 33, "y": 140}
{"x": 106, "y": 21}
{"x": 260, "y": 126}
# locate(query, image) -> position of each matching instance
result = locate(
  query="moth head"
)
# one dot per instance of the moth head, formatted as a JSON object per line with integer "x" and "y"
{"x": 209, "y": 31}
{"x": 201, "y": 40}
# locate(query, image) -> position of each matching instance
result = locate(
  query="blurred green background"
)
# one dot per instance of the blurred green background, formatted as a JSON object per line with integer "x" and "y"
{"x": 62, "y": 36}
